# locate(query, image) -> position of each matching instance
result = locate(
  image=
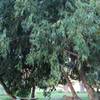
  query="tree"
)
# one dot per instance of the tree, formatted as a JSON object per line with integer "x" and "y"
{"x": 38, "y": 37}
{"x": 13, "y": 50}
{"x": 91, "y": 28}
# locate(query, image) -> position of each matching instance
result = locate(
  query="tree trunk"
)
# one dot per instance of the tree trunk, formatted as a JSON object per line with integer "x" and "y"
{"x": 7, "y": 90}
{"x": 70, "y": 86}
{"x": 76, "y": 97}
{"x": 89, "y": 89}
{"x": 68, "y": 97}
{"x": 33, "y": 92}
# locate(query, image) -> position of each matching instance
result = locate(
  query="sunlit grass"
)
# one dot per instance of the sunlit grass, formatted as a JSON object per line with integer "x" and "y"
{"x": 39, "y": 95}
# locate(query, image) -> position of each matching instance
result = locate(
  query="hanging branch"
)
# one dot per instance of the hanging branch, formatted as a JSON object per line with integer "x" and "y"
{"x": 7, "y": 90}
{"x": 72, "y": 53}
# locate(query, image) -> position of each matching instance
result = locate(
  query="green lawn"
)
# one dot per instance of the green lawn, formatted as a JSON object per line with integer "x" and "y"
{"x": 55, "y": 94}
{"x": 39, "y": 94}
{"x": 3, "y": 97}
{"x": 61, "y": 94}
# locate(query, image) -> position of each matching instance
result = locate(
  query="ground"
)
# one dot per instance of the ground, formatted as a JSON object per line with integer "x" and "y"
{"x": 57, "y": 95}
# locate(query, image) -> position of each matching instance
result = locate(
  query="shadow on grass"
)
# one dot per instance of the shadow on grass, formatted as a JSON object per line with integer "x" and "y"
{"x": 54, "y": 96}
{"x": 4, "y": 97}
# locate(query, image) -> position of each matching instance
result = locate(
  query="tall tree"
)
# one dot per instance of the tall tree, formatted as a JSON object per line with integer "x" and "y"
{"x": 38, "y": 36}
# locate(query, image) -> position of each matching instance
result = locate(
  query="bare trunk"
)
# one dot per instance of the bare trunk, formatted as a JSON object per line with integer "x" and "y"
{"x": 89, "y": 89}
{"x": 68, "y": 98}
{"x": 76, "y": 97}
{"x": 33, "y": 92}
{"x": 7, "y": 90}
{"x": 70, "y": 86}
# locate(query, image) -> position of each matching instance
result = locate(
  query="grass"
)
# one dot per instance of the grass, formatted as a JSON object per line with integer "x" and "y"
{"x": 39, "y": 94}
{"x": 4, "y": 97}
{"x": 55, "y": 94}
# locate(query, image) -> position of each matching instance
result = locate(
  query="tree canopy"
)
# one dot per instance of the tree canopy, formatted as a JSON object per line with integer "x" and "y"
{"x": 38, "y": 36}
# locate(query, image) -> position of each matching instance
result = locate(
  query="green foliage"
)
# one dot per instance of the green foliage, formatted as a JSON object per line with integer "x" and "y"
{"x": 4, "y": 43}
{"x": 35, "y": 34}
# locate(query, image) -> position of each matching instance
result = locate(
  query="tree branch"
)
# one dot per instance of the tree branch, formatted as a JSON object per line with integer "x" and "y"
{"x": 6, "y": 89}
{"x": 72, "y": 53}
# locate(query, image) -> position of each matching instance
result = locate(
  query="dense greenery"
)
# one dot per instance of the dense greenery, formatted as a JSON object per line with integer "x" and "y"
{"x": 38, "y": 36}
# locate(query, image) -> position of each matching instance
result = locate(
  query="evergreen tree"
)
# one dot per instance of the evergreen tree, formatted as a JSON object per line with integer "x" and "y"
{"x": 39, "y": 38}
